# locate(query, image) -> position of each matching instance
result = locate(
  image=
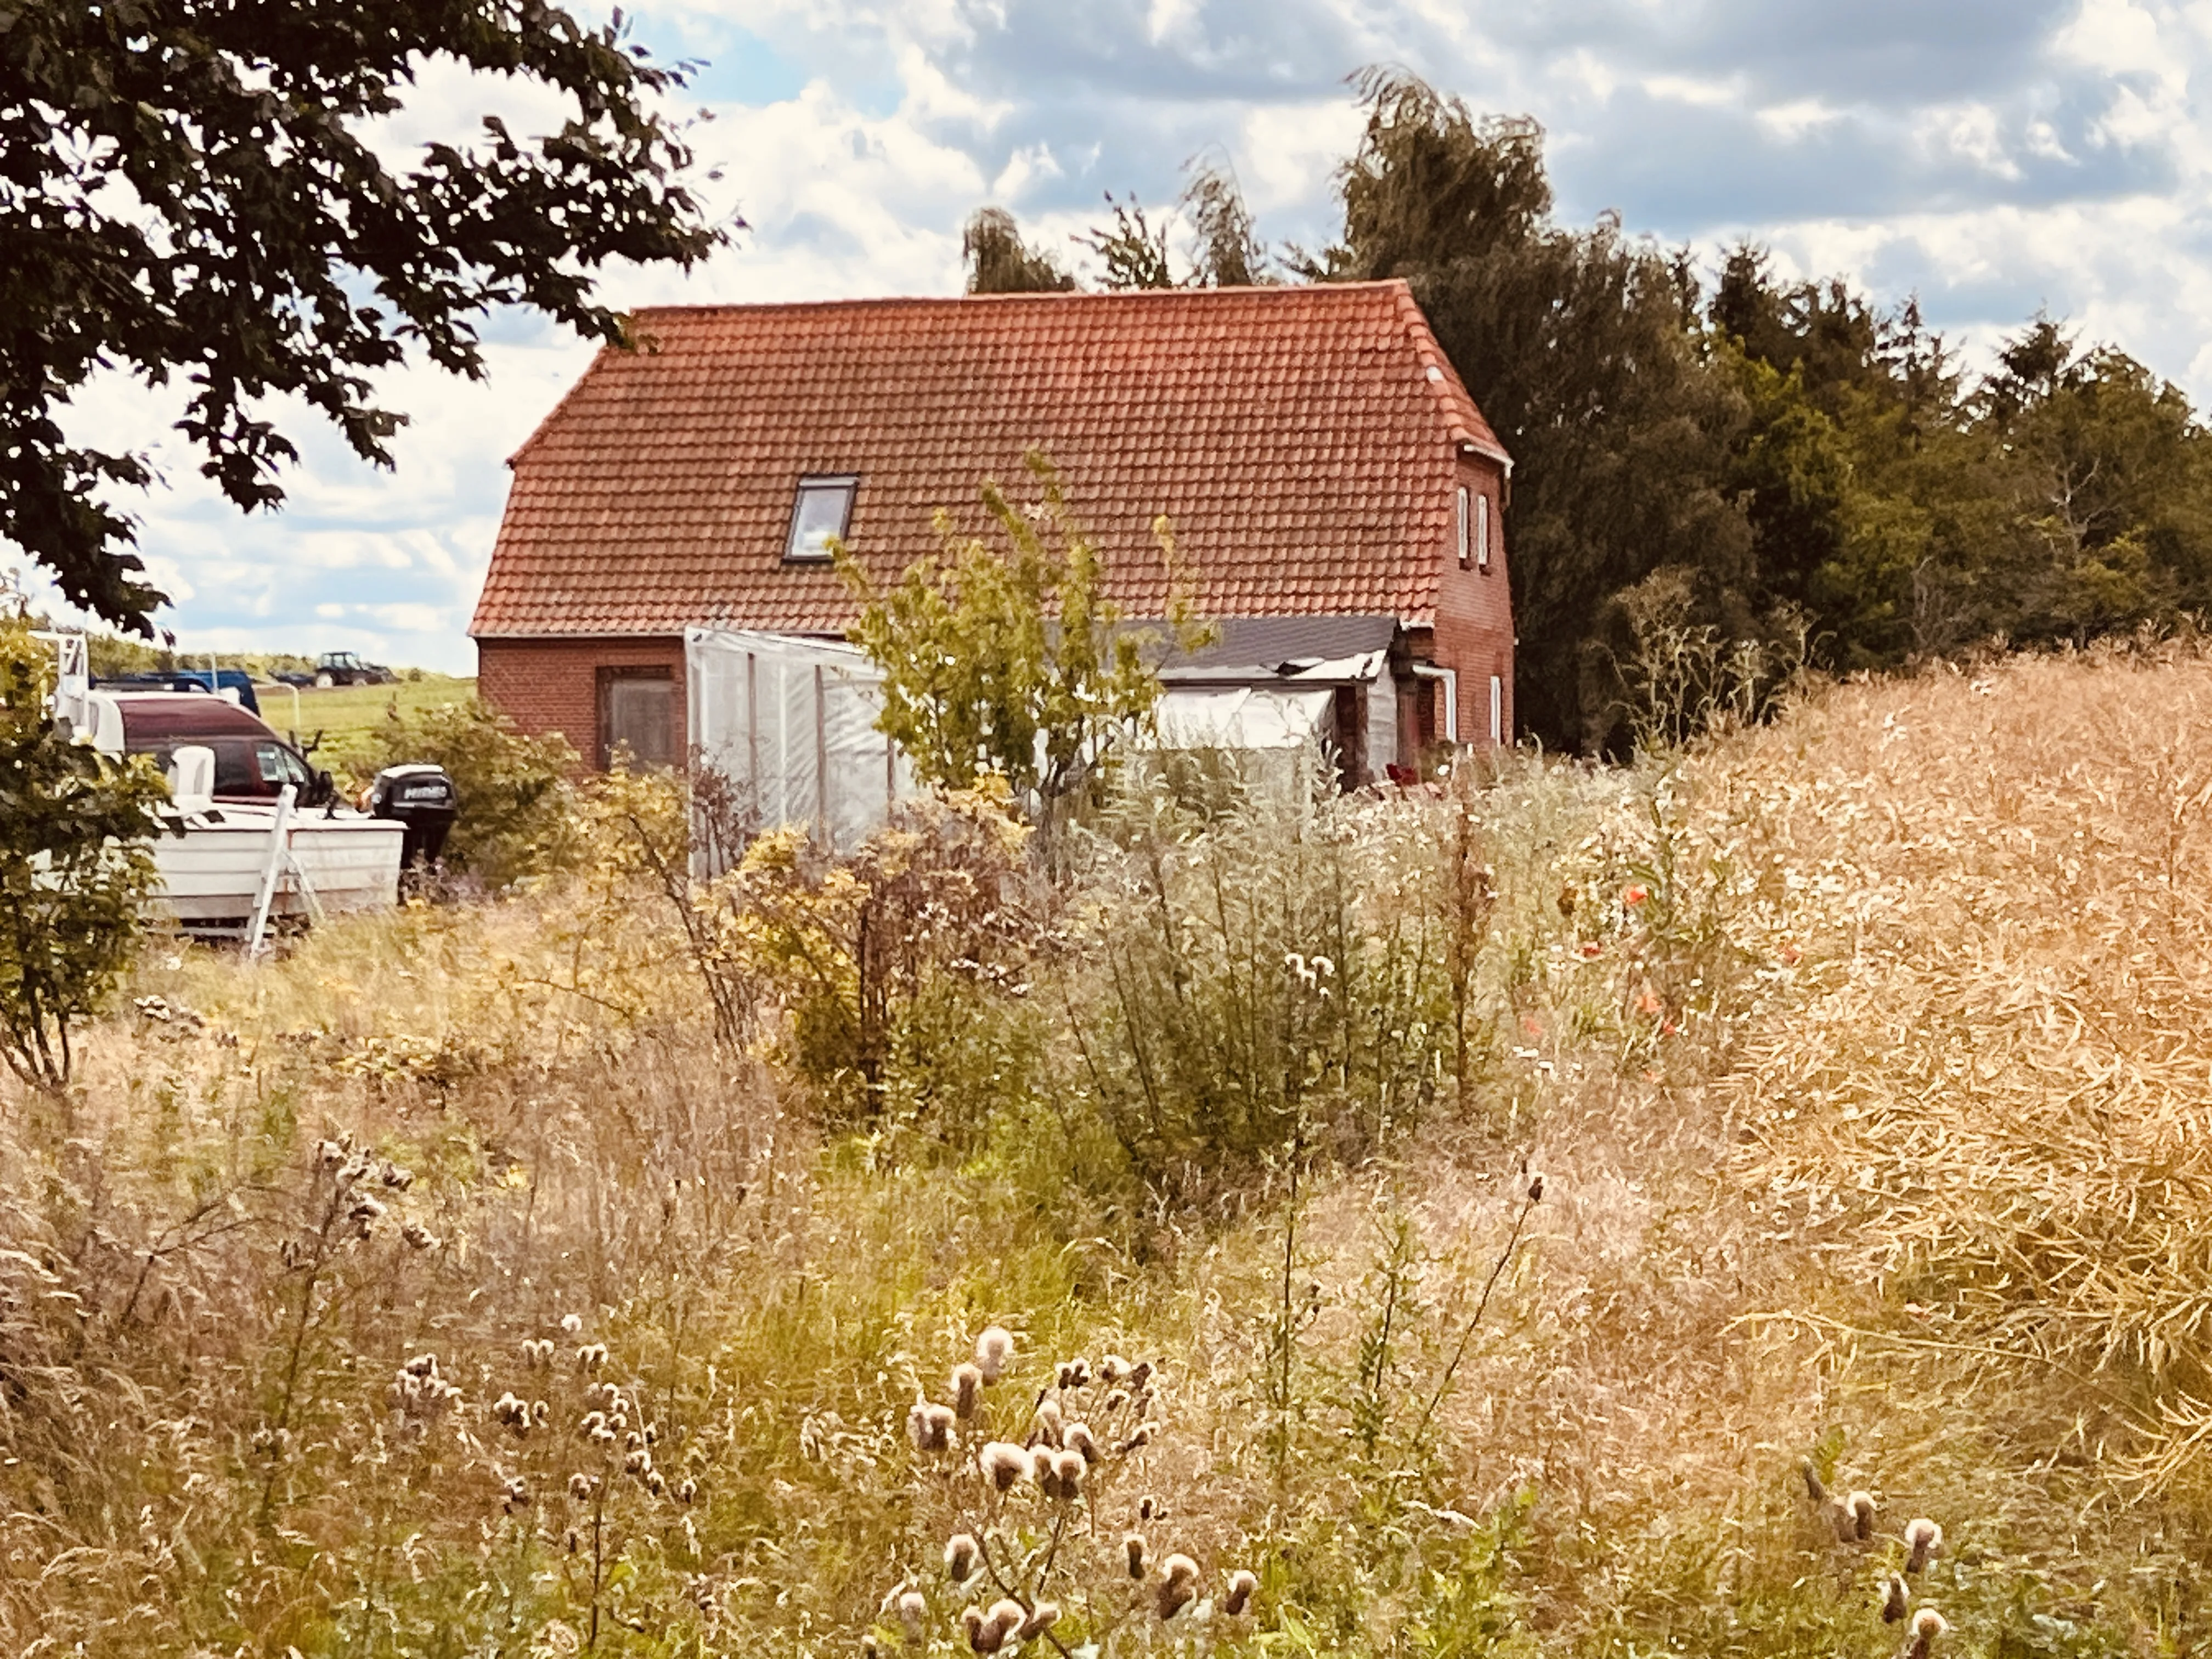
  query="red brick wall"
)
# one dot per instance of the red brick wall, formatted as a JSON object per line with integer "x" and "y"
{"x": 1474, "y": 613}
{"x": 553, "y": 685}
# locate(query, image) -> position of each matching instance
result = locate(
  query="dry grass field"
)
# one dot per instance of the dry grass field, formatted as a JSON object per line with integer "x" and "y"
{"x": 1516, "y": 1192}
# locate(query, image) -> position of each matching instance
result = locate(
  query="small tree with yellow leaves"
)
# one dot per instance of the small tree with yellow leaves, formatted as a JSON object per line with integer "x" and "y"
{"x": 1011, "y": 661}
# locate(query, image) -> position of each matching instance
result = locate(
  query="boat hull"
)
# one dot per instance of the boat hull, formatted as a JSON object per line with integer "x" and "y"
{"x": 210, "y": 874}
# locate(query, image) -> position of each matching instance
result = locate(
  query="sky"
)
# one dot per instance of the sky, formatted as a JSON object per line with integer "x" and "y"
{"x": 1991, "y": 157}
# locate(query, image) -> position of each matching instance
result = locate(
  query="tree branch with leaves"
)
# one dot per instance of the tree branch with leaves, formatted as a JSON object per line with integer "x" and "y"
{"x": 1010, "y": 658}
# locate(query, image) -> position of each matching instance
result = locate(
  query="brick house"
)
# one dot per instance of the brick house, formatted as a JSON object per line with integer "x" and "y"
{"x": 1331, "y": 485}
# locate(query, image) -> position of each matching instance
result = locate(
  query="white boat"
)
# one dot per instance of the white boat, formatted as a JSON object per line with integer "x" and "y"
{"x": 211, "y": 874}
{"x": 230, "y": 865}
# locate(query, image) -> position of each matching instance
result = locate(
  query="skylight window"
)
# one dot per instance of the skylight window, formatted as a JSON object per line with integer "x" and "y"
{"x": 821, "y": 511}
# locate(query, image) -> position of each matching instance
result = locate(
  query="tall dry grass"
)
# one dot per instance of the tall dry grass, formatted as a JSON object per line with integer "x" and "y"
{"x": 1861, "y": 1058}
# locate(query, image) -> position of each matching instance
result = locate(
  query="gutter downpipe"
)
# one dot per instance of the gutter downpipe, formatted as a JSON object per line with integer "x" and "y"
{"x": 1423, "y": 670}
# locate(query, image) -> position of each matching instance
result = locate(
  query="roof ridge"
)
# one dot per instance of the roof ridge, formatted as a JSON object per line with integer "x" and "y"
{"x": 1059, "y": 296}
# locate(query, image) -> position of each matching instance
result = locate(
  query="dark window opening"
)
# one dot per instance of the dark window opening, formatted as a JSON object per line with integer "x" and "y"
{"x": 819, "y": 515}
{"x": 637, "y": 714}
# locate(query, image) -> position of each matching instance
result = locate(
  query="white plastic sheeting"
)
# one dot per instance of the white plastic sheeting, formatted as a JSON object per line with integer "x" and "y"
{"x": 791, "y": 722}
{"x": 1240, "y": 717}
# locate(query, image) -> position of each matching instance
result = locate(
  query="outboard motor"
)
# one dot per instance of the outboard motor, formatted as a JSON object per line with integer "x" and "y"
{"x": 421, "y": 798}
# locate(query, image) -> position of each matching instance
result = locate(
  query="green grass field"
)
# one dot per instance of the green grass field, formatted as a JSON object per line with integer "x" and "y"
{"x": 342, "y": 710}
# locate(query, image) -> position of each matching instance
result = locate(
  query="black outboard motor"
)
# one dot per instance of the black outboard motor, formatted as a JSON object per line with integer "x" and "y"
{"x": 422, "y": 797}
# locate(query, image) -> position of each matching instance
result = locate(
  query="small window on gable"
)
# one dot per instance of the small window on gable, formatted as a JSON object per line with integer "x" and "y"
{"x": 821, "y": 510}
{"x": 1462, "y": 526}
{"x": 1482, "y": 533}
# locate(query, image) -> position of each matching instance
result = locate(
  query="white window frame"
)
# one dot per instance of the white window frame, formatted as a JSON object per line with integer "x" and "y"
{"x": 849, "y": 482}
{"x": 1462, "y": 525}
{"x": 1497, "y": 708}
{"x": 1482, "y": 533}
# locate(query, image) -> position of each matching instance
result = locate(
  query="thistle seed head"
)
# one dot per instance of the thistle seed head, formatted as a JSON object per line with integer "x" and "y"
{"x": 1861, "y": 1507}
{"x": 1043, "y": 1618}
{"x": 1141, "y": 1374}
{"x": 1117, "y": 1399}
{"x": 515, "y": 1493}
{"x": 1049, "y": 1420}
{"x": 1060, "y": 1474}
{"x": 1132, "y": 1547}
{"x": 422, "y": 1364}
{"x": 572, "y": 1323}
{"x": 1841, "y": 1518}
{"x": 1923, "y": 1537}
{"x": 1077, "y": 1438}
{"x": 912, "y": 1608}
{"x": 1895, "y": 1599}
{"x": 1112, "y": 1368}
{"x": 961, "y": 1554}
{"x": 1008, "y": 1615}
{"x": 1179, "y": 1570}
{"x": 930, "y": 1427}
{"x": 579, "y": 1488}
{"x": 1147, "y": 1507}
{"x": 419, "y": 1237}
{"x": 1243, "y": 1585}
{"x": 591, "y": 1356}
{"x": 1174, "y": 1595}
{"x": 966, "y": 1390}
{"x": 686, "y": 1490}
{"x": 1003, "y": 1464}
{"x": 1926, "y": 1625}
{"x": 995, "y": 1351}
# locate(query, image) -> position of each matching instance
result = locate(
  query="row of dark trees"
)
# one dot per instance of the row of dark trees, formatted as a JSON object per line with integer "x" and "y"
{"x": 1788, "y": 459}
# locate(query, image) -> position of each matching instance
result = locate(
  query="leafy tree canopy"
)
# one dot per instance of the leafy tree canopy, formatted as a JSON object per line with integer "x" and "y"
{"x": 1000, "y": 261}
{"x": 190, "y": 190}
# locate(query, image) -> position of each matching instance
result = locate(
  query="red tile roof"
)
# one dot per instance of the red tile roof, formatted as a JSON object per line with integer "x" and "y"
{"x": 1300, "y": 439}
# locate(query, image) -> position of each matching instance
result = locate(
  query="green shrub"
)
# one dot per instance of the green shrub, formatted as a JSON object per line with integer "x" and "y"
{"x": 1288, "y": 972}
{"x": 518, "y": 808}
{"x": 75, "y": 868}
